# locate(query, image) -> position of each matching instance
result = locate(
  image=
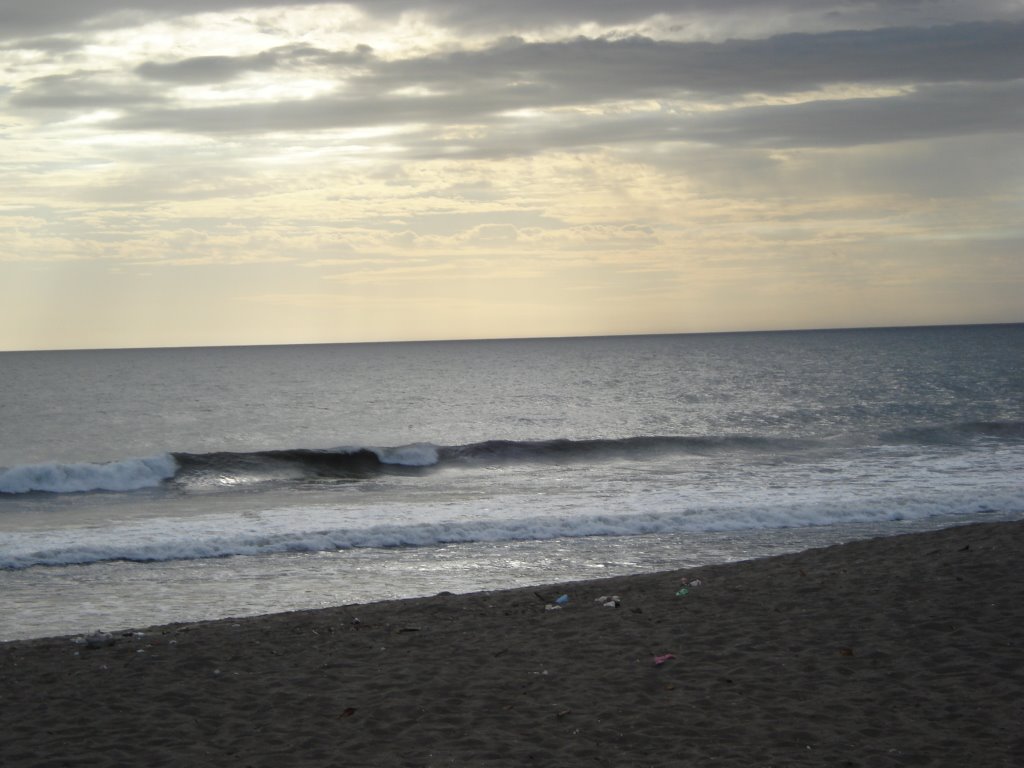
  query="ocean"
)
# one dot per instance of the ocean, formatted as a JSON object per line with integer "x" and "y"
{"x": 140, "y": 487}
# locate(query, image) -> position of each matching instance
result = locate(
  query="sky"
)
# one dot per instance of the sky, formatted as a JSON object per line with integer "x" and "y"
{"x": 215, "y": 172}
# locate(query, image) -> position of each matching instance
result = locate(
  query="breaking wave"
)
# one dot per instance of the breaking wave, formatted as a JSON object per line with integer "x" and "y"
{"x": 126, "y": 475}
{"x": 197, "y": 471}
{"x": 229, "y": 469}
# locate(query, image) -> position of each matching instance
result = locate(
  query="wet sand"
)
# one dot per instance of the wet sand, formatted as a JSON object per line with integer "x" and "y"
{"x": 904, "y": 650}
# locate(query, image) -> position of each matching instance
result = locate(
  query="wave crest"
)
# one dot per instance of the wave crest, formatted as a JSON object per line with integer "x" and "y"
{"x": 231, "y": 469}
{"x": 125, "y": 475}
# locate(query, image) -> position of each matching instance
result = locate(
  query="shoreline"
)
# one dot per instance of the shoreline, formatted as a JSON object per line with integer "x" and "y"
{"x": 116, "y": 596}
{"x": 901, "y": 650}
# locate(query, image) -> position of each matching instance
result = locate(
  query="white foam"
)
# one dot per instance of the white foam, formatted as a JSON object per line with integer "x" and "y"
{"x": 520, "y": 518}
{"x": 126, "y": 475}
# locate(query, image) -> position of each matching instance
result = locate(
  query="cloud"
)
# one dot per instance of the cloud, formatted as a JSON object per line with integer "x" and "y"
{"x": 928, "y": 113}
{"x": 583, "y": 69}
{"x": 49, "y": 45}
{"x": 679, "y": 160}
{"x": 955, "y": 80}
{"x": 207, "y": 69}
{"x": 524, "y": 14}
{"x": 81, "y": 90}
{"x": 220, "y": 69}
{"x": 21, "y": 19}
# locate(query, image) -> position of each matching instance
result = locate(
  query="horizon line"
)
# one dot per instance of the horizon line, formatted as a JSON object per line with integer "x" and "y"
{"x": 518, "y": 338}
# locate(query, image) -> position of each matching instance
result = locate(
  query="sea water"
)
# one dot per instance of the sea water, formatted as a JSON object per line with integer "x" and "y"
{"x": 151, "y": 486}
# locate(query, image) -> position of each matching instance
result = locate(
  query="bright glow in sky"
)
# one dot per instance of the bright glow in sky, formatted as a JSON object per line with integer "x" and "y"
{"x": 198, "y": 172}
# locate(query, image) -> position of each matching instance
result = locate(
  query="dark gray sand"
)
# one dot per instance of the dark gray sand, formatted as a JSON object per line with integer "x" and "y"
{"x": 898, "y": 651}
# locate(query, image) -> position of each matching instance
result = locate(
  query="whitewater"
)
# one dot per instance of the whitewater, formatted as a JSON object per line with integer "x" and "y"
{"x": 147, "y": 486}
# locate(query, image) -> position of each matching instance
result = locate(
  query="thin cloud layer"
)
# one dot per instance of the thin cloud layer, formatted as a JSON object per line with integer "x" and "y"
{"x": 658, "y": 155}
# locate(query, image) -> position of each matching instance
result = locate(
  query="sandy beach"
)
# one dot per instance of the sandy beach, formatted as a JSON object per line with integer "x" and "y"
{"x": 905, "y": 650}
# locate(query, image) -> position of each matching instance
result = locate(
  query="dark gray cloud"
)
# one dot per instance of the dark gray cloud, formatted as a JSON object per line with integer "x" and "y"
{"x": 514, "y": 74}
{"x": 80, "y": 90}
{"x": 83, "y": 89}
{"x": 23, "y": 19}
{"x": 206, "y": 69}
{"x": 482, "y": 86}
{"x": 939, "y": 111}
{"x": 935, "y": 112}
{"x": 599, "y": 68}
{"x": 491, "y": 15}
{"x": 961, "y": 79}
{"x": 220, "y": 69}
